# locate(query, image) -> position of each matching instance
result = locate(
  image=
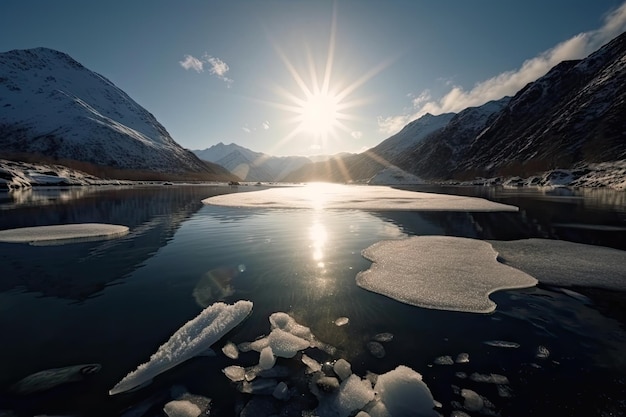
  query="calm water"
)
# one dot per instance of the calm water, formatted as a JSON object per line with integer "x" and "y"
{"x": 114, "y": 302}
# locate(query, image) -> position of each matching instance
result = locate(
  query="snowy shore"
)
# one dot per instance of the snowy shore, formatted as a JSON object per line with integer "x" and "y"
{"x": 17, "y": 175}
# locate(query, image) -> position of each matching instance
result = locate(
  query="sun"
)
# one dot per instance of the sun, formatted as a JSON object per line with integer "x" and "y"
{"x": 322, "y": 106}
{"x": 319, "y": 114}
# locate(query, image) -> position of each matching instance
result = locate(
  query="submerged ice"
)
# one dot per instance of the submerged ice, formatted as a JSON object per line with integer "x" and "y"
{"x": 188, "y": 341}
{"x": 439, "y": 272}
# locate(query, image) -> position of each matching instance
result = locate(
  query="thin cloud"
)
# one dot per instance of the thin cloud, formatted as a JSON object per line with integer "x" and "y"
{"x": 191, "y": 62}
{"x": 510, "y": 82}
{"x": 356, "y": 134}
{"x": 246, "y": 129}
{"x": 266, "y": 125}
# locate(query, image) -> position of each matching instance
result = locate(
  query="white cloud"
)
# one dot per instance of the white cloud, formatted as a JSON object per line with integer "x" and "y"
{"x": 356, "y": 134}
{"x": 191, "y": 62}
{"x": 217, "y": 67}
{"x": 266, "y": 125}
{"x": 246, "y": 129}
{"x": 510, "y": 82}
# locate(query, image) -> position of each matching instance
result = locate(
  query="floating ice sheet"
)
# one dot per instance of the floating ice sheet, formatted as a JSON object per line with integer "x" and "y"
{"x": 188, "y": 341}
{"x": 439, "y": 272}
{"x": 336, "y": 196}
{"x": 561, "y": 263}
{"x": 62, "y": 233}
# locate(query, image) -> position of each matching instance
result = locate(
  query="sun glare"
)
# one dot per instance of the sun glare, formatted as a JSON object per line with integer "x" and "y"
{"x": 322, "y": 103}
{"x": 319, "y": 115}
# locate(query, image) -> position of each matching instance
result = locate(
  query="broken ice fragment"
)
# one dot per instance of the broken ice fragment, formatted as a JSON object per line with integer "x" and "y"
{"x": 383, "y": 337}
{"x": 230, "y": 350}
{"x": 473, "y": 401}
{"x": 343, "y": 369}
{"x": 192, "y": 338}
{"x": 181, "y": 408}
{"x": 402, "y": 392}
{"x": 234, "y": 373}
{"x": 502, "y": 344}
{"x": 281, "y": 392}
{"x": 312, "y": 364}
{"x": 444, "y": 360}
{"x": 267, "y": 359}
{"x": 462, "y": 358}
{"x": 341, "y": 321}
{"x": 490, "y": 378}
{"x": 542, "y": 352}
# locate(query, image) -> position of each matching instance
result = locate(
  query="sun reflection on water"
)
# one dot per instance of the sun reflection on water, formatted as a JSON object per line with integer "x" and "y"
{"x": 319, "y": 236}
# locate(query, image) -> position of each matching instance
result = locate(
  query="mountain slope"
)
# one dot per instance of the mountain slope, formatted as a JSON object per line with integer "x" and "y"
{"x": 249, "y": 165}
{"x": 53, "y": 106}
{"x": 572, "y": 115}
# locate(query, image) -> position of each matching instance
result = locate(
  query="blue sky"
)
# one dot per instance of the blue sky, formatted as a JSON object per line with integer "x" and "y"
{"x": 252, "y": 71}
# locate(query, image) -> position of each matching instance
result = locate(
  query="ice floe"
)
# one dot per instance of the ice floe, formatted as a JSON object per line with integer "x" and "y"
{"x": 439, "y": 272}
{"x": 188, "y": 341}
{"x": 562, "y": 263}
{"x": 336, "y": 196}
{"x": 62, "y": 233}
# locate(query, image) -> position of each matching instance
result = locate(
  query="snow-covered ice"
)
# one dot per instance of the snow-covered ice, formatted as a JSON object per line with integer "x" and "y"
{"x": 235, "y": 373}
{"x": 188, "y": 341}
{"x": 337, "y": 196}
{"x": 562, "y": 263}
{"x": 181, "y": 408}
{"x": 439, "y": 272}
{"x": 62, "y": 233}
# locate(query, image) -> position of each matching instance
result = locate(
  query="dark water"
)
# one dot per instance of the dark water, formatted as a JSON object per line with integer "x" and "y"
{"x": 114, "y": 302}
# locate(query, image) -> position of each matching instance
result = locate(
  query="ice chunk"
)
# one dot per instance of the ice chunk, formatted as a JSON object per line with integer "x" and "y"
{"x": 353, "y": 394}
{"x": 462, "y": 358}
{"x": 286, "y": 345}
{"x": 230, "y": 350}
{"x": 62, "y": 233}
{"x": 281, "y": 392}
{"x": 267, "y": 359}
{"x": 444, "y": 360}
{"x": 375, "y": 349}
{"x": 542, "y": 352}
{"x": 489, "y": 378}
{"x": 337, "y": 196}
{"x": 439, "y": 272}
{"x": 383, "y": 337}
{"x": 561, "y": 263}
{"x": 502, "y": 344}
{"x": 343, "y": 369}
{"x": 284, "y": 321}
{"x": 312, "y": 364}
{"x": 181, "y": 408}
{"x": 342, "y": 321}
{"x": 194, "y": 337}
{"x": 50, "y": 378}
{"x": 235, "y": 373}
{"x": 472, "y": 401}
{"x": 402, "y": 392}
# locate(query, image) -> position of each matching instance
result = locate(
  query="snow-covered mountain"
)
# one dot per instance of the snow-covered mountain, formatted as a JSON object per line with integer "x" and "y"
{"x": 53, "y": 106}
{"x": 249, "y": 165}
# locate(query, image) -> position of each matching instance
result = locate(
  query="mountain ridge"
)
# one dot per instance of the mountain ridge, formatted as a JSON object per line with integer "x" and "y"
{"x": 54, "y": 106}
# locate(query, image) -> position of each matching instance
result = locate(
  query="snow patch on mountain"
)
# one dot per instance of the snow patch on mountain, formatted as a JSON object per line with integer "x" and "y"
{"x": 392, "y": 175}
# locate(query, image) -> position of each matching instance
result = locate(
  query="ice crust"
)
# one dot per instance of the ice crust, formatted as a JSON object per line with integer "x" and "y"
{"x": 188, "y": 341}
{"x": 439, "y": 272}
{"x": 62, "y": 233}
{"x": 338, "y": 196}
{"x": 562, "y": 263}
